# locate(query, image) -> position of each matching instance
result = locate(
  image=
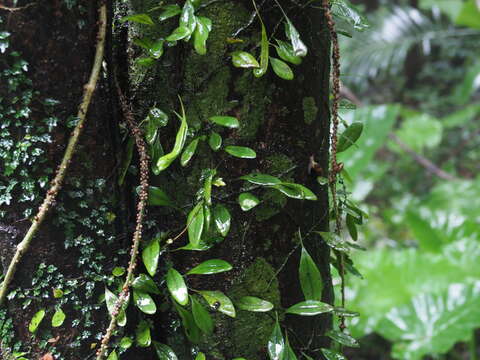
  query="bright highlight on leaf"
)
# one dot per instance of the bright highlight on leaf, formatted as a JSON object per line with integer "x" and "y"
{"x": 213, "y": 266}
{"x": 243, "y": 59}
{"x": 177, "y": 287}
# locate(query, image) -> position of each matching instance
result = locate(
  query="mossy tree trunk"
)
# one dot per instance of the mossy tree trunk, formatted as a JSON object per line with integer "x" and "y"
{"x": 88, "y": 233}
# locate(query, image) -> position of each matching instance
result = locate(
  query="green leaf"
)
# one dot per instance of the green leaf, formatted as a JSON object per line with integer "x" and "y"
{"x": 112, "y": 356}
{"x": 285, "y": 52}
{"x": 349, "y": 136}
{"x": 281, "y": 68}
{"x": 333, "y": 355}
{"x": 111, "y": 299}
{"x": 310, "y": 279}
{"x": 276, "y": 343}
{"x": 177, "y": 287}
{"x": 138, "y": 18}
{"x": 255, "y": 304}
{"x": 195, "y": 223}
{"x": 169, "y": 11}
{"x": 261, "y": 179}
{"x": 227, "y": 121}
{"x": 200, "y": 356}
{"x": 339, "y": 311}
{"x": 243, "y": 59}
{"x": 145, "y": 61}
{"x": 419, "y": 132}
{"x": 289, "y": 354}
{"x": 118, "y": 271}
{"x": 207, "y": 187}
{"x": 150, "y": 256}
{"x": 264, "y": 47}
{"x": 247, "y": 201}
{"x": 215, "y": 141}
{"x": 469, "y": 15}
{"x": 164, "y": 352}
{"x": 189, "y": 152}
{"x": 299, "y": 48}
{"x": 58, "y": 318}
{"x": 218, "y": 301}
{"x": 334, "y": 241}
{"x": 144, "y": 42}
{"x": 179, "y": 33}
{"x": 213, "y": 266}
{"x": 36, "y": 320}
{"x": 157, "y": 197}
{"x": 309, "y": 308}
{"x": 202, "y": 317}
{"x": 193, "y": 332}
{"x": 200, "y": 36}
{"x": 126, "y": 342}
{"x": 156, "y": 50}
{"x": 142, "y": 334}
{"x": 352, "y": 227}
{"x": 57, "y": 293}
{"x": 187, "y": 17}
{"x": 222, "y": 218}
{"x": 126, "y": 160}
{"x": 295, "y": 191}
{"x": 347, "y": 12}
{"x": 144, "y": 302}
{"x": 145, "y": 284}
{"x": 342, "y": 338}
{"x": 207, "y": 218}
{"x": 241, "y": 152}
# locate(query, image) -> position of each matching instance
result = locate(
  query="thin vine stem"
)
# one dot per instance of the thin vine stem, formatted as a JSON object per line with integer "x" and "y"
{"x": 57, "y": 182}
{"x": 137, "y": 235}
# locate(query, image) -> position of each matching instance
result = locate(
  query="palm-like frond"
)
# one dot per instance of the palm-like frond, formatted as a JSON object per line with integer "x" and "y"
{"x": 393, "y": 32}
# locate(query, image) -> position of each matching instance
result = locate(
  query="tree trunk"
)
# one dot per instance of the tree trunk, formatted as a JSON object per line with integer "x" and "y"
{"x": 88, "y": 233}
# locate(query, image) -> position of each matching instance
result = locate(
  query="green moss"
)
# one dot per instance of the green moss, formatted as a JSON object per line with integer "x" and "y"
{"x": 309, "y": 110}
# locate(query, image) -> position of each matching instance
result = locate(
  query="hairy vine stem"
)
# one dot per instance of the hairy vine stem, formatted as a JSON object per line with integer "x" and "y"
{"x": 137, "y": 235}
{"x": 335, "y": 167}
{"x": 57, "y": 182}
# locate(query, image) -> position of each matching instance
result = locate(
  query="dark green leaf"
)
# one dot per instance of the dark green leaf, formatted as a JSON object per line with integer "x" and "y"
{"x": 261, "y": 179}
{"x": 281, "y": 68}
{"x": 144, "y": 42}
{"x": 195, "y": 222}
{"x": 142, "y": 334}
{"x": 177, "y": 287}
{"x": 349, "y": 136}
{"x": 276, "y": 344}
{"x": 299, "y": 48}
{"x": 144, "y": 283}
{"x": 213, "y": 266}
{"x": 145, "y": 61}
{"x": 157, "y": 197}
{"x": 207, "y": 187}
{"x": 218, "y": 301}
{"x": 189, "y": 152}
{"x": 179, "y": 33}
{"x": 342, "y": 338}
{"x": 296, "y": 191}
{"x": 156, "y": 50}
{"x": 58, "y": 318}
{"x": 285, "y": 52}
{"x": 193, "y": 332}
{"x": 200, "y": 36}
{"x": 202, "y": 317}
{"x": 227, "y": 121}
{"x": 289, "y": 353}
{"x": 309, "y": 308}
{"x": 333, "y": 355}
{"x": 244, "y": 59}
{"x": 222, "y": 218}
{"x": 215, "y": 141}
{"x": 144, "y": 302}
{"x": 126, "y": 160}
{"x": 334, "y": 241}
{"x": 263, "y": 54}
{"x": 187, "y": 17}
{"x": 310, "y": 279}
{"x": 164, "y": 352}
{"x": 169, "y": 11}
{"x": 138, "y": 18}
{"x": 247, "y": 201}
{"x": 251, "y": 303}
{"x": 352, "y": 227}
{"x": 241, "y": 152}
{"x": 150, "y": 255}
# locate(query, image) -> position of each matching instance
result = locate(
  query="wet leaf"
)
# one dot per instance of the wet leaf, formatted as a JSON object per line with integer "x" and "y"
{"x": 193, "y": 332}
{"x": 222, "y": 218}
{"x": 145, "y": 61}
{"x": 299, "y": 48}
{"x": 144, "y": 283}
{"x": 179, "y": 33}
{"x": 342, "y": 338}
{"x": 188, "y": 18}
{"x": 241, "y": 152}
{"x": 164, "y": 352}
{"x": 243, "y": 59}
{"x": 169, "y": 11}
{"x": 295, "y": 191}
{"x": 156, "y": 50}
{"x": 142, "y": 334}
{"x": 281, "y": 68}
{"x": 189, "y": 152}
{"x": 139, "y": 19}
{"x": 215, "y": 141}
{"x": 333, "y": 355}
{"x": 227, "y": 121}
{"x": 310, "y": 279}
{"x": 202, "y": 317}
{"x": 309, "y": 308}
{"x": 255, "y": 304}
{"x": 218, "y": 301}
{"x": 349, "y": 136}
{"x": 150, "y": 256}
{"x": 177, "y": 287}
{"x": 247, "y": 201}
{"x": 261, "y": 179}
{"x": 286, "y": 53}
{"x": 200, "y": 36}
{"x": 195, "y": 222}
{"x": 144, "y": 302}
{"x": 264, "y": 47}
{"x": 276, "y": 343}
{"x": 347, "y": 12}
{"x": 213, "y": 266}
{"x": 207, "y": 218}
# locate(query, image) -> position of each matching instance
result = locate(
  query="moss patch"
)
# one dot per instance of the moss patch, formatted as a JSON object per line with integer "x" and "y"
{"x": 310, "y": 110}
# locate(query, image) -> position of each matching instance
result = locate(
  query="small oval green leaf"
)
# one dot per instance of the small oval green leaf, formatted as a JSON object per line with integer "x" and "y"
{"x": 222, "y": 219}
{"x": 218, "y": 301}
{"x": 213, "y": 266}
{"x": 349, "y": 136}
{"x": 150, "y": 256}
{"x": 118, "y": 271}
{"x": 169, "y": 11}
{"x": 144, "y": 283}
{"x": 276, "y": 343}
{"x": 142, "y": 334}
{"x": 200, "y": 356}
{"x": 113, "y": 356}
{"x": 296, "y": 191}
{"x": 227, "y": 121}
{"x": 58, "y": 318}
{"x": 126, "y": 342}
{"x": 36, "y": 320}
{"x": 252, "y": 303}
{"x": 195, "y": 223}
{"x": 157, "y": 197}
{"x": 200, "y": 35}
{"x": 215, "y": 141}
{"x": 261, "y": 179}
{"x": 286, "y": 53}
{"x": 179, "y": 33}
{"x": 343, "y": 338}
{"x": 243, "y": 59}
{"x": 177, "y": 287}
{"x": 241, "y": 152}
{"x": 310, "y": 279}
{"x": 281, "y": 68}
{"x": 139, "y": 19}
{"x": 309, "y": 308}
{"x": 247, "y": 201}
{"x": 188, "y": 152}
{"x": 144, "y": 302}
{"x": 333, "y": 355}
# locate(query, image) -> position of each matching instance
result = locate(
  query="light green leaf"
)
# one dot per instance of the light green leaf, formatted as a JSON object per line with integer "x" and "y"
{"x": 207, "y": 218}
{"x": 126, "y": 342}
{"x": 255, "y": 304}
{"x": 36, "y": 320}
{"x": 150, "y": 256}
{"x": 264, "y": 47}
{"x": 195, "y": 223}
{"x": 261, "y": 179}
{"x": 227, "y": 121}
{"x": 342, "y": 338}
{"x": 299, "y": 48}
{"x": 310, "y": 279}
{"x": 207, "y": 187}
{"x": 144, "y": 283}
{"x": 218, "y": 301}
{"x": 347, "y": 12}
{"x": 335, "y": 241}
{"x": 243, "y": 59}
{"x": 285, "y": 52}
{"x": 188, "y": 18}
{"x": 241, "y": 152}
{"x": 247, "y": 201}
{"x": 169, "y": 11}
{"x": 156, "y": 50}
{"x": 118, "y": 271}
{"x": 179, "y": 33}
{"x": 144, "y": 302}
{"x": 142, "y": 334}
{"x": 309, "y": 308}
{"x": 200, "y": 36}
{"x": 145, "y": 61}
{"x": 333, "y": 355}
{"x": 289, "y": 353}
{"x": 213, "y": 266}
{"x": 215, "y": 141}
{"x": 189, "y": 152}
{"x": 295, "y": 191}
{"x": 164, "y": 352}
{"x": 200, "y": 356}
{"x": 202, "y": 317}
{"x": 177, "y": 287}
{"x": 138, "y": 18}
{"x": 112, "y": 356}
{"x": 469, "y": 15}
{"x": 276, "y": 343}
{"x": 58, "y": 318}
{"x": 222, "y": 218}
{"x": 419, "y": 132}
{"x": 349, "y": 136}
{"x": 281, "y": 68}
